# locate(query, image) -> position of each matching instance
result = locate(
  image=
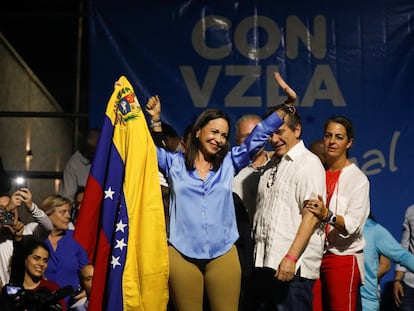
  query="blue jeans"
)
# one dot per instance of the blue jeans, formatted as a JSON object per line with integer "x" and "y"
{"x": 270, "y": 294}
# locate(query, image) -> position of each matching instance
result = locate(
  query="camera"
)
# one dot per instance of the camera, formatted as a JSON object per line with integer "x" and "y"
{"x": 20, "y": 182}
{"x": 12, "y": 290}
{"x": 6, "y": 218}
{"x": 17, "y": 298}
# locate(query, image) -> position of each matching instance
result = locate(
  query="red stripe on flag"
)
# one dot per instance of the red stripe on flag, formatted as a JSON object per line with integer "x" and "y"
{"x": 100, "y": 274}
{"x": 89, "y": 218}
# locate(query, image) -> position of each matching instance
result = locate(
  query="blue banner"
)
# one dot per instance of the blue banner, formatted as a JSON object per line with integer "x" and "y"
{"x": 354, "y": 59}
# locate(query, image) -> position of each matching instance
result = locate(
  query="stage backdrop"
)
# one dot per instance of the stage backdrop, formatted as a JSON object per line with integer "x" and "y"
{"x": 355, "y": 59}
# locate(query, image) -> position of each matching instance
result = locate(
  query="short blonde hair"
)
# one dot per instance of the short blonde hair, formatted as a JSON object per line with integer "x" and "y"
{"x": 50, "y": 203}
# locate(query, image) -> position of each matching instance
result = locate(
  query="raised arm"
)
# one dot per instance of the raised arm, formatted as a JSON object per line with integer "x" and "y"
{"x": 243, "y": 154}
{"x": 153, "y": 108}
{"x": 39, "y": 215}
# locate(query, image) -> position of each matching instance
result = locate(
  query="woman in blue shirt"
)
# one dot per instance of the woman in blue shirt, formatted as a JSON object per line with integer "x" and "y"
{"x": 202, "y": 228}
{"x": 67, "y": 257}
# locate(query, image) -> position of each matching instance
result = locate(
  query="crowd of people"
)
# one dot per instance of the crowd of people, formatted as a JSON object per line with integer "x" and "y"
{"x": 266, "y": 224}
{"x": 307, "y": 210}
{"x": 42, "y": 267}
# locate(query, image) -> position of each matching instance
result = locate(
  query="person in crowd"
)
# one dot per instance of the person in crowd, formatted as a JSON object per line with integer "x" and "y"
{"x": 67, "y": 257}
{"x": 403, "y": 279}
{"x": 244, "y": 193}
{"x": 371, "y": 299}
{"x": 379, "y": 242}
{"x": 15, "y": 231}
{"x": 318, "y": 148}
{"x": 77, "y": 168}
{"x": 185, "y": 141}
{"x": 171, "y": 138}
{"x": 245, "y": 182}
{"x": 29, "y": 262}
{"x": 288, "y": 238}
{"x": 86, "y": 276}
{"x": 76, "y": 205}
{"x": 203, "y": 229}
{"x": 345, "y": 212}
{"x": 36, "y": 257}
{"x": 22, "y": 196}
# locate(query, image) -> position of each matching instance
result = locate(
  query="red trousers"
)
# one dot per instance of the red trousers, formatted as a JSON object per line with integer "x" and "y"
{"x": 338, "y": 287}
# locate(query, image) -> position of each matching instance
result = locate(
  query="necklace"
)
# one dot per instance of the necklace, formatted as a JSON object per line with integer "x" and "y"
{"x": 272, "y": 175}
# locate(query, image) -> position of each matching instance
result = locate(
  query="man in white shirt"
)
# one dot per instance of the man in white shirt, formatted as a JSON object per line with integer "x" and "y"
{"x": 289, "y": 240}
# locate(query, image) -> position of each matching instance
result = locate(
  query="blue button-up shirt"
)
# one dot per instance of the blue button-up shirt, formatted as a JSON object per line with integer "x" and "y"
{"x": 202, "y": 217}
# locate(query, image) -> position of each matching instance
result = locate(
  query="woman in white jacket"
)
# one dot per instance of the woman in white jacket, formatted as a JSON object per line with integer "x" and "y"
{"x": 346, "y": 211}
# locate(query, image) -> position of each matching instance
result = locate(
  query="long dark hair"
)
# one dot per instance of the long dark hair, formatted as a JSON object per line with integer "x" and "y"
{"x": 31, "y": 244}
{"x": 194, "y": 144}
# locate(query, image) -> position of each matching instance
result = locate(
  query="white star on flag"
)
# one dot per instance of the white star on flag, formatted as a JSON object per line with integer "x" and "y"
{"x": 120, "y": 244}
{"x": 115, "y": 262}
{"x": 109, "y": 193}
{"x": 120, "y": 226}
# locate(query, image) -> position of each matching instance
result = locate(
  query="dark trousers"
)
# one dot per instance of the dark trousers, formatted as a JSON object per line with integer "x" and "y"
{"x": 269, "y": 294}
{"x": 407, "y": 301}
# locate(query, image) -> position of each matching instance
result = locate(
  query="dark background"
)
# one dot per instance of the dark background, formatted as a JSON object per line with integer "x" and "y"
{"x": 51, "y": 36}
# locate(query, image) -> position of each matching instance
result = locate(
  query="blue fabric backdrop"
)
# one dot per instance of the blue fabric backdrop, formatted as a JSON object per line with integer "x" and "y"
{"x": 355, "y": 59}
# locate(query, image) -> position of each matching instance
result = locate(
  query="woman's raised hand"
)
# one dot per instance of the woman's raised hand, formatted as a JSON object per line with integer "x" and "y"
{"x": 153, "y": 108}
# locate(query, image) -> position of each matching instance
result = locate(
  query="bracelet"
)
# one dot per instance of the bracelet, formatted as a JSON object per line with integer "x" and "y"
{"x": 292, "y": 258}
{"x": 155, "y": 124}
{"x": 155, "y": 121}
{"x": 395, "y": 280}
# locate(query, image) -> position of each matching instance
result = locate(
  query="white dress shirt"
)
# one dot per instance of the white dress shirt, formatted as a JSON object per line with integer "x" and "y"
{"x": 300, "y": 176}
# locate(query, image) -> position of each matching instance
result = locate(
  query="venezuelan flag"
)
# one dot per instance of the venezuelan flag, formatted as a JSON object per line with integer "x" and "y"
{"x": 121, "y": 223}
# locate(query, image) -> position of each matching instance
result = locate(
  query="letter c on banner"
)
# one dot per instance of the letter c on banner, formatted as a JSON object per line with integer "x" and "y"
{"x": 200, "y": 37}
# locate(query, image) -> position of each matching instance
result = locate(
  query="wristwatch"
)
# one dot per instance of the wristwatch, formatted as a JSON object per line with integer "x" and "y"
{"x": 332, "y": 220}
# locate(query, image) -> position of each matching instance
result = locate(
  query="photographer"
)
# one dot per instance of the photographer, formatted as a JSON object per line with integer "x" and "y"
{"x": 9, "y": 213}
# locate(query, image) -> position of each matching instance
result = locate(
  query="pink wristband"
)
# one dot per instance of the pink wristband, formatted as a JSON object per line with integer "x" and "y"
{"x": 290, "y": 257}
